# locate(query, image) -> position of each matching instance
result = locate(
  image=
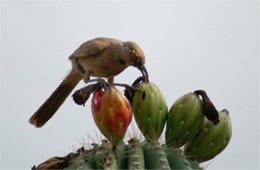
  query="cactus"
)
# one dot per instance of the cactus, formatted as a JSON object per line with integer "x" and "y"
{"x": 150, "y": 110}
{"x": 112, "y": 113}
{"x": 211, "y": 139}
{"x": 184, "y": 119}
{"x": 191, "y": 122}
{"x": 135, "y": 155}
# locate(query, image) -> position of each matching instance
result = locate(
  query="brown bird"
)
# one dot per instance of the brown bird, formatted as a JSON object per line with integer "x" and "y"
{"x": 99, "y": 57}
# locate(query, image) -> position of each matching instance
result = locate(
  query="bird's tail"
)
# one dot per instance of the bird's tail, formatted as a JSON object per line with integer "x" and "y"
{"x": 52, "y": 104}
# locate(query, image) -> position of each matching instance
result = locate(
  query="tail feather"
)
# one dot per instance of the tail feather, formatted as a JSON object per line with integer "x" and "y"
{"x": 52, "y": 104}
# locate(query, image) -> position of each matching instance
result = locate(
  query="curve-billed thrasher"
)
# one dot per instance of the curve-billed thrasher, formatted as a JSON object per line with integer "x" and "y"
{"x": 99, "y": 57}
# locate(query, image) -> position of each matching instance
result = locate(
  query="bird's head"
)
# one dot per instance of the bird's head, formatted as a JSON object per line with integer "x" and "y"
{"x": 137, "y": 57}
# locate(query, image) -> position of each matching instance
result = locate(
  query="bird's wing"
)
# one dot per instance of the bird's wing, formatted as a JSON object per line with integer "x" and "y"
{"x": 90, "y": 48}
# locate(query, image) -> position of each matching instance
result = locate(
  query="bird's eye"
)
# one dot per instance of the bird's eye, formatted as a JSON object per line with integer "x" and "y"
{"x": 133, "y": 53}
{"x": 134, "y": 57}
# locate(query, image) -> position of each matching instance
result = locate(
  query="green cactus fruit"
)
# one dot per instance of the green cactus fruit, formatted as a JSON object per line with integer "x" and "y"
{"x": 150, "y": 110}
{"x": 112, "y": 113}
{"x": 211, "y": 139}
{"x": 184, "y": 120}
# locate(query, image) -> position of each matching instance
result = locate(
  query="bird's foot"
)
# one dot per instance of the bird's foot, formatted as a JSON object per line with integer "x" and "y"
{"x": 81, "y": 96}
{"x": 101, "y": 83}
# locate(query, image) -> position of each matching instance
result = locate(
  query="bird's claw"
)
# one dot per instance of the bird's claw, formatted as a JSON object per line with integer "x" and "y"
{"x": 81, "y": 96}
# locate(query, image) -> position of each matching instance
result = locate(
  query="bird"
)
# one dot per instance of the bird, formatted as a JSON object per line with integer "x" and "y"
{"x": 100, "y": 58}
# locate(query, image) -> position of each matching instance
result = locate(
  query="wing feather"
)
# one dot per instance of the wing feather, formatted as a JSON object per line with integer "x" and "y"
{"x": 90, "y": 48}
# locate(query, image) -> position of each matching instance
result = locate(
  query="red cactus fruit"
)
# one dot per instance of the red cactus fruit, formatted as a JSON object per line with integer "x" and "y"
{"x": 112, "y": 113}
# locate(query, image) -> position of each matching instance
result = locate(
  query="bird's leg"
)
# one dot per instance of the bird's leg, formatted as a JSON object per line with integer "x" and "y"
{"x": 126, "y": 86}
{"x": 86, "y": 77}
{"x": 110, "y": 80}
{"x": 100, "y": 83}
{"x": 130, "y": 90}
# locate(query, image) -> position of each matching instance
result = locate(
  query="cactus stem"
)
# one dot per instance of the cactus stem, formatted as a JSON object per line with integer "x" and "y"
{"x": 135, "y": 155}
{"x": 153, "y": 151}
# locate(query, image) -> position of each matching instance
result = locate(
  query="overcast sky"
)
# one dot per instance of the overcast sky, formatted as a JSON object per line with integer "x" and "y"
{"x": 189, "y": 45}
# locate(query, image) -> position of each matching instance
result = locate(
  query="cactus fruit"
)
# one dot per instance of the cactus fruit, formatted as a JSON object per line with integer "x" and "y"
{"x": 112, "y": 113}
{"x": 184, "y": 119}
{"x": 211, "y": 139}
{"x": 150, "y": 110}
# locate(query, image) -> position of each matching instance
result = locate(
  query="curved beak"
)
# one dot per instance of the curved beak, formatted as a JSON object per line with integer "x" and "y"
{"x": 144, "y": 72}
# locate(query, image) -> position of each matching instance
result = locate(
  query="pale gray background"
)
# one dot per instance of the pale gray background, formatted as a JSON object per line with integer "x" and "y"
{"x": 189, "y": 45}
